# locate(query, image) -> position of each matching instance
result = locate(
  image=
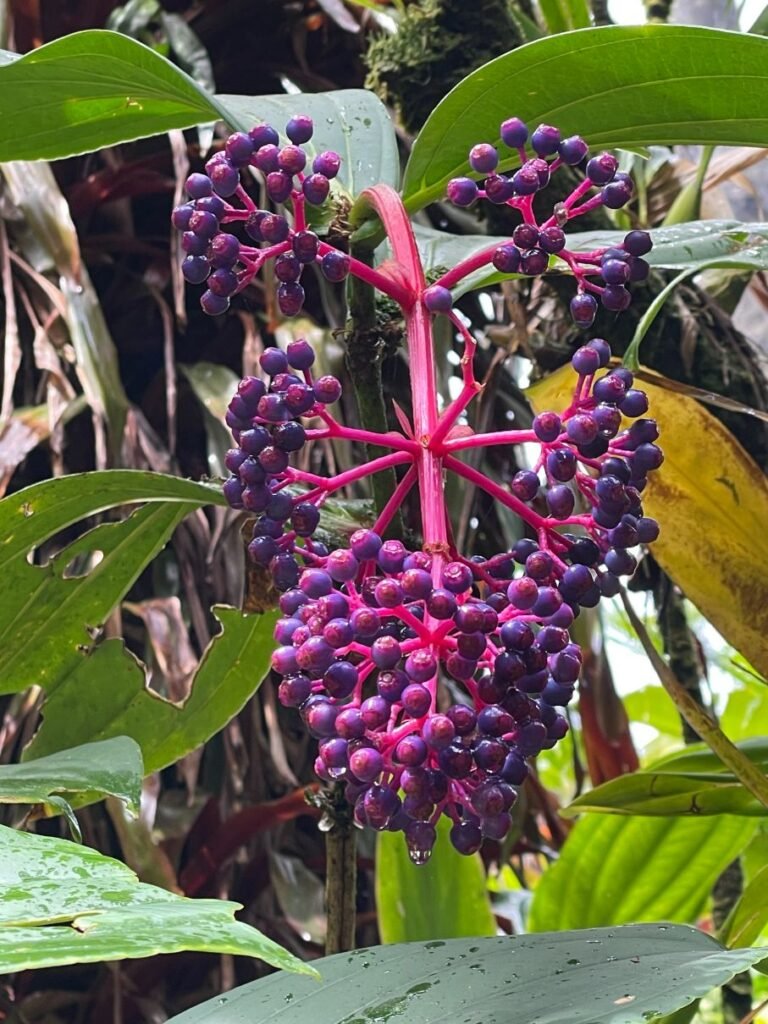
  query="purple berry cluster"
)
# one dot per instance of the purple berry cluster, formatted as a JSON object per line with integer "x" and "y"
{"x": 428, "y": 678}
{"x": 227, "y": 263}
{"x": 371, "y": 633}
{"x": 264, "y": 417}
{"x": 533, "y": 244}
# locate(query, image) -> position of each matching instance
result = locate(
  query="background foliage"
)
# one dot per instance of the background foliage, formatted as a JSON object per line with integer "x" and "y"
{"x": 135, "y": 645}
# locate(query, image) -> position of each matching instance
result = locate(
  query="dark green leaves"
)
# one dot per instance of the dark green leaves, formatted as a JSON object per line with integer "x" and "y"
{"x": 598, "y": 976}
{"x": 616, "y": 86}
{"x": 50, "y": 618}
{"x": 65, "y": 904}
{"x": 446, "y": 898}
{"x": 614, "y": 870}
{"x": 93, "y": 89}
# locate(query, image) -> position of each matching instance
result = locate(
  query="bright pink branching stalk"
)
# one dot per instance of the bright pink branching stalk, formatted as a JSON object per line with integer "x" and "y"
{"x": 370, "y": 630}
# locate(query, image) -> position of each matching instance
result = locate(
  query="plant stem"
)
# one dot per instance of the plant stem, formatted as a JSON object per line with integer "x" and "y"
{"x": 748, "y": 774}
{"x": 340, "y": 875}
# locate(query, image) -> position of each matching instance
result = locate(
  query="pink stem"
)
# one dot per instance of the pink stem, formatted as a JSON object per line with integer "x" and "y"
{"x": 481, "y": 480}
{"x": 458, "y": 444}
{"x": 337, "y": 430}
{"x": 380, "y": 281}
{"x": 398, "y": 496}
{"x": 333, "y": 483}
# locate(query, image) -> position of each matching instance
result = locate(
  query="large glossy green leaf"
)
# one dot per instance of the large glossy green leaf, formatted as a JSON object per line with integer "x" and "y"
{"x": 63, "y": 903}
{"x": 614, "y": 870}
{"x": 411, "y": 901}
{"x": 93, "y": 89}
{"x": 82, "y": 706}
{"x": 352, "y": 122}
{"x": 595, "y": 976}
{"x": 712, "y": 512}
{"x": 89, "y": 772}
{"x": 616, "y": 86}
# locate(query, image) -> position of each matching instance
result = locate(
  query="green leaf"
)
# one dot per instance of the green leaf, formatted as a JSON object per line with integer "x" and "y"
{"x": 691, "y": 782}
{"x": 669, "y": 793}
{"x": 50, "y": 614}
{"x": 413, "y": 902}
{"x": 48, "y": 620}
{"x": 612, "y": 870}
{"x": 597, "y": 976}
{"x": 616, "y": 86}
{"x": 63, "y": 904}
{"x": 698, "y": 758}
{"x": 89, "y": 772}
{"x": 93, "y": 89}
{"x": 750, "y": 915}
{"x": 232, "y": 669}
{"x": 352, "y": 122}
{"x": 92, "y": 771}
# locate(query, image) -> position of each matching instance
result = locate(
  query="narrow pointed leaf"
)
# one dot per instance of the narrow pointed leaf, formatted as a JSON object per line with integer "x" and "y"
{"x": 594, "y": 976}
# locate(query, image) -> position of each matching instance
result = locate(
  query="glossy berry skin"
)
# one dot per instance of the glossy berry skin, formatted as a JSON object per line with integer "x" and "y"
{"x": 483, "y": 158}
{"x": 437, "y": 299}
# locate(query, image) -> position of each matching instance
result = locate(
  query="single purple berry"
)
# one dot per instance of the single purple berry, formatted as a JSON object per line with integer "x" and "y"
{"x": 583, "y": 309}
{"x": 299, "y": 129}
{"x": 327, "y": 163}
{"x": 279, "y": 186}
{"x": 305, "y": 245}
{"x": 545, "y": 140}
{"x": 335, "y": 266}
{"x": 290, "y": 298}
{"x": 483, "y": 158}
{"x": 195, "y": 269}
{"x": 239, "y": 149}
{"x": 514, "y": 133}
{"x": 573, "y": 150}
{"x": 506, "y": 259}
{"x": 327, "y": 390}
{"x": 225, "y": 178}
{"x": 316, "y": 188}
{"x": 552, "y": 239}
{"x": 602, "y": 168}
{"x": 461, "y": 191}
{"x": 437, "y": 299}
{"x": 263, "y": 135}
{"x": 534, "y": 262}
{"x": 198, "y": 185}
{"x": 212, "y": 304}
{"x": 292, "y": 160}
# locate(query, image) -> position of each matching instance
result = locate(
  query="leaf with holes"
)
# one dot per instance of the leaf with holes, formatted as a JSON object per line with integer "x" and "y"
{"x": 616, "y": 86}
{"x": 613, "y": 870}
{"x": 81, "y": 707}
{"x": 594, "y": 976}
{"x": 64, "y": 904}
{"x": 711, "y": 501}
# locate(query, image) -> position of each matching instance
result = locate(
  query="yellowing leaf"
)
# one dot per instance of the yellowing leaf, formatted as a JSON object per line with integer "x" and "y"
{"x": 711, "y": 501}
